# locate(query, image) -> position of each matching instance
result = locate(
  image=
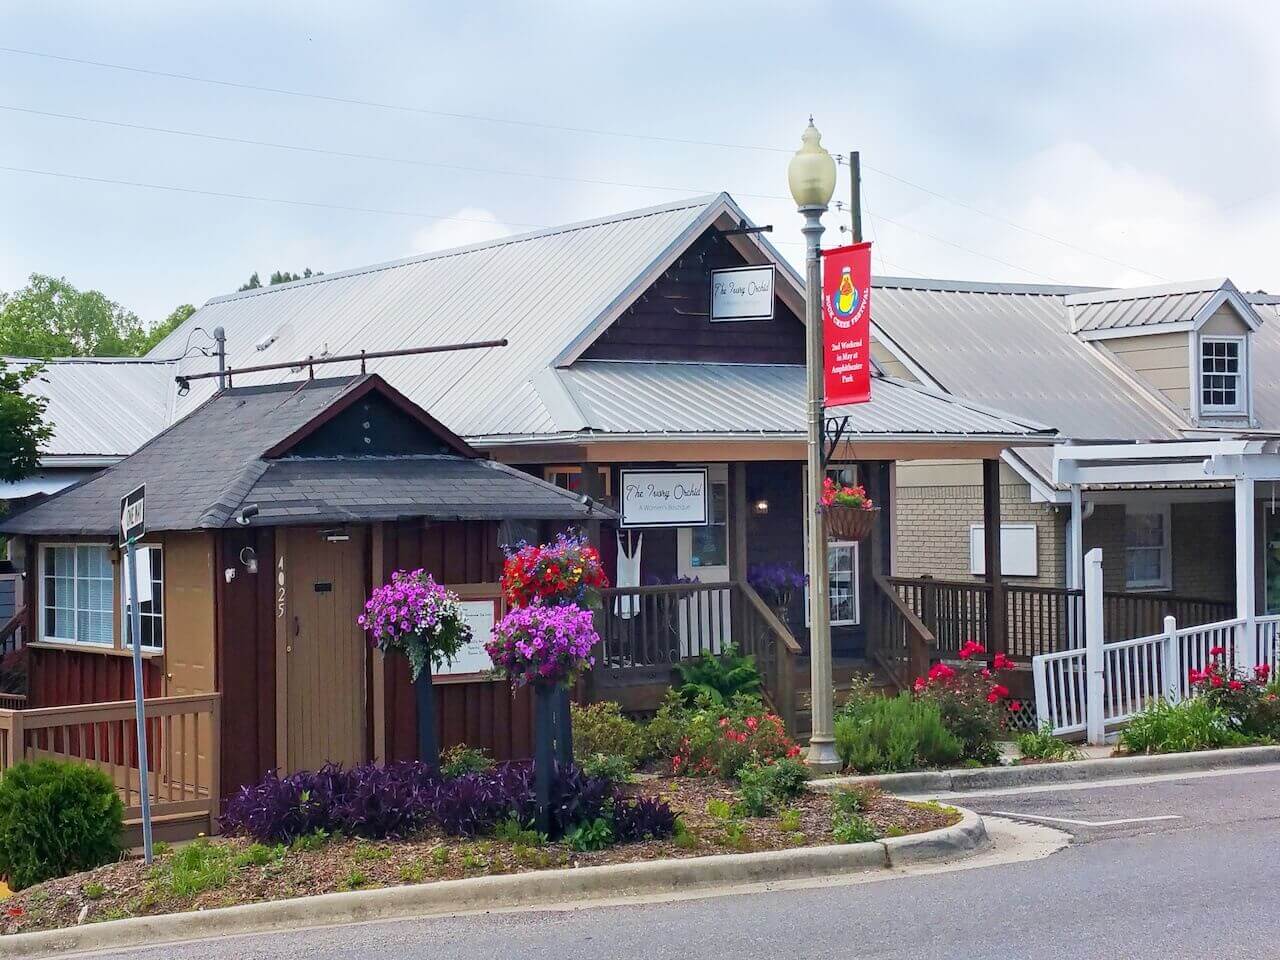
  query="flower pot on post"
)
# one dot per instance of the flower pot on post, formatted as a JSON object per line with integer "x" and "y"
{"x": 415, "y": 616}
{"x": 546, "y": 648}
{"x": 848, "y": 511}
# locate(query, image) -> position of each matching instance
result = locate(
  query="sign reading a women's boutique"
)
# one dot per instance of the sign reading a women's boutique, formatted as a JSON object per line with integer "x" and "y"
{"x": 846, "y": 324}
{"x": 664, "y": 498}
{"x": 742, "y": 293}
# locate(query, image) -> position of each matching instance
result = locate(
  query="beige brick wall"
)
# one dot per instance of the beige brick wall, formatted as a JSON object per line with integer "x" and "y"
{"x": 932, "y": 530}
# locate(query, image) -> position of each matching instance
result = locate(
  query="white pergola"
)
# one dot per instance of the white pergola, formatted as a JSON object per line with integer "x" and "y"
{"x": 1239, "y": 462}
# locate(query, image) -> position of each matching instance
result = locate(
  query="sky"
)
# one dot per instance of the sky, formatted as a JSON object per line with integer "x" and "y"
{"x": 1095, "y": 143}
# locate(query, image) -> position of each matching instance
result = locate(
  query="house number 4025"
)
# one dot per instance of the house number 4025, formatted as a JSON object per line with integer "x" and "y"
{"x": 280, "y": 588}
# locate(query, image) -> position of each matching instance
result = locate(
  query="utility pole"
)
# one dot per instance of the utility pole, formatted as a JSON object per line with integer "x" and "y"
{"x": 855, "y": 193}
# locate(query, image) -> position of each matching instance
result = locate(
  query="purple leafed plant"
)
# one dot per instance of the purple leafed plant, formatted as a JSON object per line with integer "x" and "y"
{"x": 643, "y": 818}
{"x": 775, "y": 582}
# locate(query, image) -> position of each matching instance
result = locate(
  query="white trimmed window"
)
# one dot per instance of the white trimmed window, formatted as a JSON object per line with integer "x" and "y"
{"x": 150, "y": 595}
{"x": 76, "y": 595}
{"x": 844, "y": 598}
{"x": 1223, "y": 387}
{"x": 1147, "y": 549}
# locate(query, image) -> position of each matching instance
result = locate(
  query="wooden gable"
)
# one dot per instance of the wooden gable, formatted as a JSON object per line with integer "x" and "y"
{"x": 671, "y": 320}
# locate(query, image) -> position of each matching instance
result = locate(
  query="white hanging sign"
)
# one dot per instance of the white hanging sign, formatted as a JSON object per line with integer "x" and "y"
{"x": 742, "y": 293}
{"x": 665, "y": 498}
{"x": 480, "y": 616}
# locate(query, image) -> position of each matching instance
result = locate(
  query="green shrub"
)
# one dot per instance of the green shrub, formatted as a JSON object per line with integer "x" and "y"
{"x": 513, "y": 831}
{"x": 460, "y": 759}
{"x": 852, "y": 800}
{"x": 1193, "y": 724}
{"x": 668, "y": 728}
{"x": 719, "y": 678}
{"x": 966, "y": 711}
{"x": 765, "y": 786}
{"x": 56, "y": 819}
{"x": 888, "y": 734}
{"x": 1043, "y": 745}
{"x": 601, "y": 728}
{"x": 615, "y": 768}
{"x": 853, "y": 828}
{"x": 595, "y": 835}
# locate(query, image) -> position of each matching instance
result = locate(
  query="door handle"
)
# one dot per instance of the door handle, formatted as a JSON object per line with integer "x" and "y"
{"x": 297, "y": 626}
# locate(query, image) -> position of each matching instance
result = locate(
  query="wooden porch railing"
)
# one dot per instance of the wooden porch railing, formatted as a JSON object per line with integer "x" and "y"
{"x": 898, "y": 641}
{"x": 183, "y": 749}
{"x": 648, "y": 630}
{"x": 1040, "y": 619}
{"x": 11, "y": 632}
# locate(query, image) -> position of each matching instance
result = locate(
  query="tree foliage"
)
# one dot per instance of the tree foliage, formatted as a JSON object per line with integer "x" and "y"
{"x": 50, "y": 317}
{"x": 22, "y": 427}
{"x": 278, "y": 276}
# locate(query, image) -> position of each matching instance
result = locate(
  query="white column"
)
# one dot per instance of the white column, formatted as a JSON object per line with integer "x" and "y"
{"x": 1170, "y": 662}
{"x": 1075, "y": 540}
{"x": 1246, "y": 573}
{"x": 1095, "y": 712}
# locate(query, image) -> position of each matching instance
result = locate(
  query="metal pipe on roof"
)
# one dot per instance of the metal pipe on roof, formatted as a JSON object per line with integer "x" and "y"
{"x": 362, "y": 356}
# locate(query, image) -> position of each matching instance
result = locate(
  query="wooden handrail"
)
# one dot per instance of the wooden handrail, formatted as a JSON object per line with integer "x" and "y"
{"x": 114, "y": 710}
{"x": 886, "y": 587}
{"x": 779, "y": 628}
{"x": 665, "y": 588}
{"x": 11, "y": 625}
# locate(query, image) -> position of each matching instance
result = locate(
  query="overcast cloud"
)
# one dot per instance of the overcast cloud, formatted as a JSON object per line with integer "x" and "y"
{"x": 1141, "y": 137}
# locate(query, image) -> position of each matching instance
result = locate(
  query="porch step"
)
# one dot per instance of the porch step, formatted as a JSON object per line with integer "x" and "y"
{"x": 843, "y": 670}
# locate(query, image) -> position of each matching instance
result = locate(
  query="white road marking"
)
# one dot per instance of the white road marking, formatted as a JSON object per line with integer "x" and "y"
{"x": 1083, "y": 823}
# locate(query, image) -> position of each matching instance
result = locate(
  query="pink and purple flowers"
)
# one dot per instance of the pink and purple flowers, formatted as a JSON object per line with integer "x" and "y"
{"x": 545, "y": 645}
{"x": 415, "y": 616}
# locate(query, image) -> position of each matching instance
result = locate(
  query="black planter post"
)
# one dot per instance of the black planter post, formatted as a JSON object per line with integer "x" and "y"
{"x": 564, "y": 727}
{"x": 544, "y": 721}
{"x": 424, "y": 692}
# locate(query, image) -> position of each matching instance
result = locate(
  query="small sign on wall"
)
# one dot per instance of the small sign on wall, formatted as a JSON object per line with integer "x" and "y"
{"x": 742, "y": 293}
{"x": 480, "y": 616}
{"x": 664, "y": 498}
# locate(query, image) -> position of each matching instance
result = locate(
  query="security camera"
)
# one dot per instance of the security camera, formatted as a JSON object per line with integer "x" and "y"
{"x": 246, "y": 514}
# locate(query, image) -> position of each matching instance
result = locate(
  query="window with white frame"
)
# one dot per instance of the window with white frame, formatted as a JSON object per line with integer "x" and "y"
{"x": 1222, "y": 375}
{"x": 150, "y": 562}
{"x": 1146, "y": 548}
{"x": 843, "y": 586}
{"x": 76, "y": 593}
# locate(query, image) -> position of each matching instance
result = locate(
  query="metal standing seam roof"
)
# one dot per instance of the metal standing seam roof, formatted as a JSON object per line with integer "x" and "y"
{"x": 1141, "y": 306}
{"x": 630, "y": 397}
{"x": 539, "y": 291}
{"x": 102, "y": 406}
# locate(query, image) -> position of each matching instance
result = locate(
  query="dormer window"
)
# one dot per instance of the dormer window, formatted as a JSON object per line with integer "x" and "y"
{"x": 1223, "y": 388}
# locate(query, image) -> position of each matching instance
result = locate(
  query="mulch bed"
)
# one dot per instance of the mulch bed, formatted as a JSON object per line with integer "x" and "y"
{"x": 129, "y": 888}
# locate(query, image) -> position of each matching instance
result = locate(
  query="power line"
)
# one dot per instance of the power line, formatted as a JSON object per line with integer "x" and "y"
{"x": 261, "y": 199}
{"x": 380, "y": 158}
{"x": 595, "y": 131}
{"x": 382, "y": 105}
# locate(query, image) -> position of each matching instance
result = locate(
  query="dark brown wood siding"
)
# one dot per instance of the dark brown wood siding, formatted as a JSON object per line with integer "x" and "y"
{"x": 672, "y": 319}
{"x": 246, "y": 664}
{"x": 63, "y": 677}
{"x": 479, "y": 713}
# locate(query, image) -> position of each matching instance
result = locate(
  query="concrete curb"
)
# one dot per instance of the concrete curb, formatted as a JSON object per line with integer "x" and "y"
{"x": 1074, "y": 771}
{"x": 550, "y": 888}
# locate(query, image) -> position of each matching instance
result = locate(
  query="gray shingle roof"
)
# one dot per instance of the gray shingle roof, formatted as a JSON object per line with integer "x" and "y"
{"x": 386, "y": 488}
{"x": 200, "y": 471}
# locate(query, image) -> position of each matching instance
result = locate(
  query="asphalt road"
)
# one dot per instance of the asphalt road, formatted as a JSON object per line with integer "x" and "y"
{"x": 1198, "y": 886}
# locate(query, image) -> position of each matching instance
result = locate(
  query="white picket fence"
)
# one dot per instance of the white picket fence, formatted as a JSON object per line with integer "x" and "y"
{"x": 1097, "y": 687}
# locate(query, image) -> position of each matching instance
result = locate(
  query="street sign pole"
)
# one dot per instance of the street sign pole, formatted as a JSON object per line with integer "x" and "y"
{"x": 132, "y": 526}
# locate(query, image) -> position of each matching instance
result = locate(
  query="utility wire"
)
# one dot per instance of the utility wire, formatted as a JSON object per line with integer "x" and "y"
{"x": 380, "y": 158}
{"x": 595, "y": 131}
{"x": 260, "y": 199}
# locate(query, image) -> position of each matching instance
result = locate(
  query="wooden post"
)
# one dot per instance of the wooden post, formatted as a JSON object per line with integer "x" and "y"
{"x": 378, "y": 575}
{"x": 424, "y": 693}
{"x": 737, "y": 547}
{"x": 563, "y": 727}
{"x": 1170, "y": 670}
{"x": 1095, "y": 669}
{"x": 543, "y": 735}
{"x": 215, "y": 764}
{"x": 592, "y": 485}
{"x": 996, "y": 639}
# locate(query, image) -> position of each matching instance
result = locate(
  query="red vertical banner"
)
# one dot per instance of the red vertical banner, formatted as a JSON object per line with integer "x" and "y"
{"x": 846, "y": 324}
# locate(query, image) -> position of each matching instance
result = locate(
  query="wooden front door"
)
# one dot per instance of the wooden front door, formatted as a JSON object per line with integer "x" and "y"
{"x": 323, "y": 649}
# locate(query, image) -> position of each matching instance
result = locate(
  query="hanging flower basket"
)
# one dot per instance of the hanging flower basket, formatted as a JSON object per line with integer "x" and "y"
{"x": 849, "y": 512}
{"x": 850, "y": 523}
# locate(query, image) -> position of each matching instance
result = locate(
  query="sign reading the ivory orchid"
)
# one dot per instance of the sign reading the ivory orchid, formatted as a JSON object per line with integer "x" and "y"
{"x": 846, "y": 324}
{"x": 743, "y": 293}
{"x": 665, "y": 498}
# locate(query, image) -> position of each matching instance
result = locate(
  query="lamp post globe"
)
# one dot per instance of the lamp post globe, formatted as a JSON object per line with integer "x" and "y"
{"x": 812, "y": 177}
{"x": 812, "y": 172}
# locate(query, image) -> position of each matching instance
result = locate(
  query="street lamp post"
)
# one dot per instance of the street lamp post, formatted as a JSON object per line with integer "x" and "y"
{"x": 812, "y": 176}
